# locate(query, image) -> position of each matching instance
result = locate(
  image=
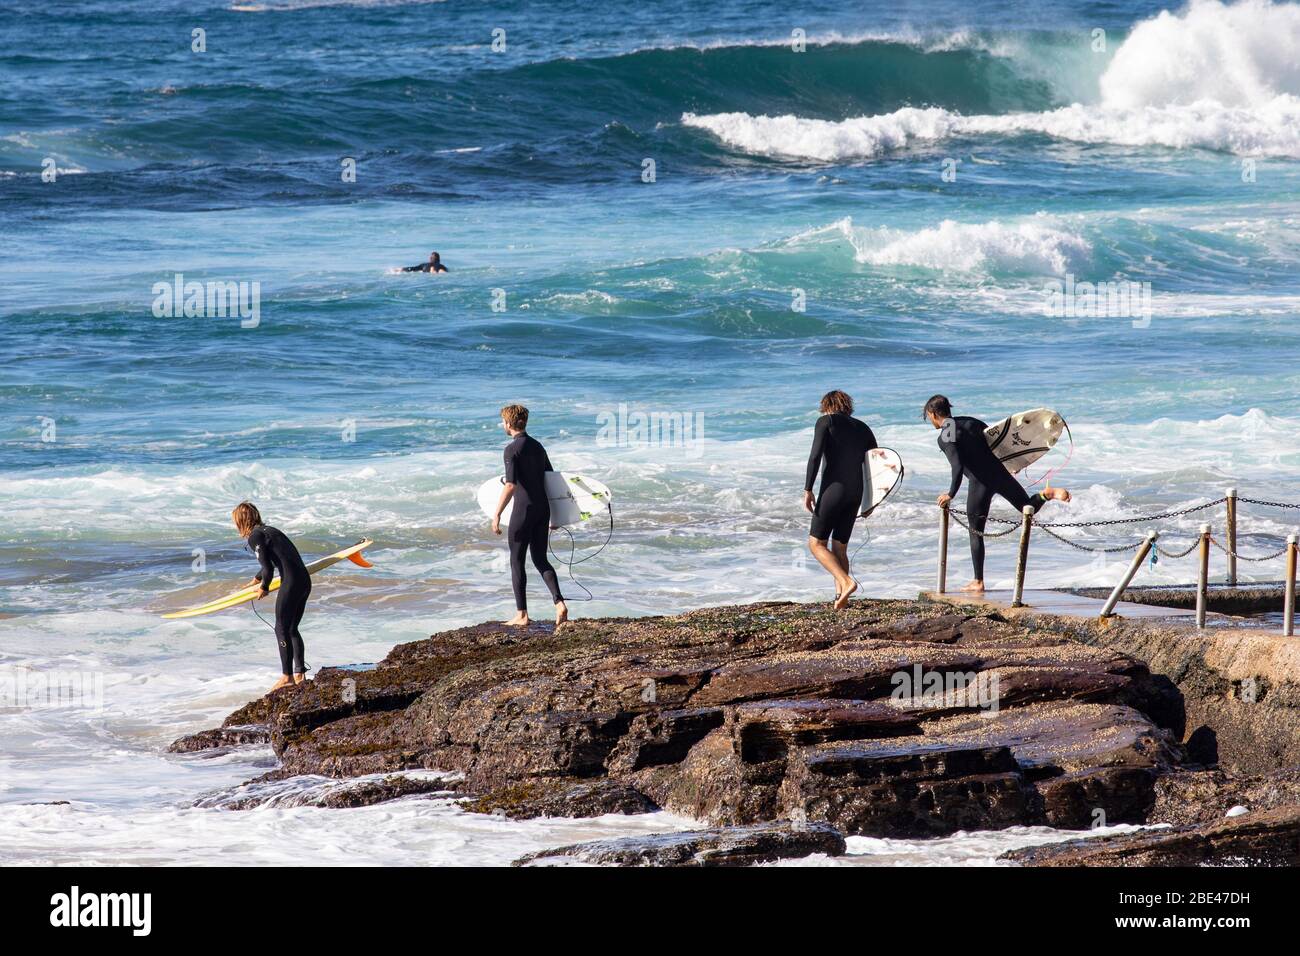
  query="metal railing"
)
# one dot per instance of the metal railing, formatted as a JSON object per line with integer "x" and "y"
{"x": 1147, "y": 547}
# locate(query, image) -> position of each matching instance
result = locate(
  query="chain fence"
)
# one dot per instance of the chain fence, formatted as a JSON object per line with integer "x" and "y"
{"x": 1050, "y": 528}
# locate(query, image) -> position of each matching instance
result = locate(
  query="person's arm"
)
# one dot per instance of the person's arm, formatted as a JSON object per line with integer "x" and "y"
{"x": 266, "y": 572}
{"x": 954, "y": 459}
{"x": 818, "y": 448}
{"x": 507, "y": 489}
{"x": 871, "y": 439}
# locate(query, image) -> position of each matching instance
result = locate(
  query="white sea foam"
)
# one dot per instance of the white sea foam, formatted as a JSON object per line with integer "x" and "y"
{"x": 1035, "y": 246}
{"x": 1218, "y": 77}
{"x": 1236, "y": 55}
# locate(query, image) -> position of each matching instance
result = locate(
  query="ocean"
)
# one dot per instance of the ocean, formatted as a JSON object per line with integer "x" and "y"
{"x": 700, "y": 217}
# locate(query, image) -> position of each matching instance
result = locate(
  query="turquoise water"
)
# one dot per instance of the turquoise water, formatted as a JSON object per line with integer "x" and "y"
{"x": 364, "y": 401}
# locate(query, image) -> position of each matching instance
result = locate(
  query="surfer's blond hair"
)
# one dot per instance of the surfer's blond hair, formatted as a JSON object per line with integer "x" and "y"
{"x": 837, "y": 403}
{"x": 247, "y": 517}
{"x": 515, "y": 416}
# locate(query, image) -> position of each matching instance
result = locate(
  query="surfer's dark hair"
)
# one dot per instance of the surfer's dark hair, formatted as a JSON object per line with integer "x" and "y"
{"x": 837, "y": 403}
{"x": 516, "y": 416}
{"x": 247, "y": 517}
{"x": 938, "y": 405}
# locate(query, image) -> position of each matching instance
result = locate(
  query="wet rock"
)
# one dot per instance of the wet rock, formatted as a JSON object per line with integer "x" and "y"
{"x": 862, "y": 719}
{"x": 731, "y": 846}
{"x": 559, "y": 798}
{"x": 222, "y": 738}
{"x": 1206, "y": 796}
{"x": 907, "y": 788}
{"x": 1266, "y": 838}
{"x": 768, "y": 730}
{"x": 663, "y": 738}
{"x": 278, "y": 790}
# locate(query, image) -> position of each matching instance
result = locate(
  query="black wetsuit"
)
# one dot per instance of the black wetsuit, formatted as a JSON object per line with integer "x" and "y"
{"x": 844, "y": 442}
{"x": 962, "y": 440}
{"x": 530, "y": 516}
{"x": 275, "y": 552}
{"x": 425, "y": 267}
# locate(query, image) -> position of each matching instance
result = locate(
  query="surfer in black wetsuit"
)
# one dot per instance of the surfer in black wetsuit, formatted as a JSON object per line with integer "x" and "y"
{"x": 433, "y": 265}
{"x": 962, "y": 440}
{"x": 842, "y": 441}
{"x": 530, "y": 519}
{"x": 275, "y": 552}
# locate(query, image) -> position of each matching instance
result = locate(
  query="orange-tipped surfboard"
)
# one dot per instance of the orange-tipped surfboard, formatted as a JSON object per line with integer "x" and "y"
{"x": 244, "y": 595}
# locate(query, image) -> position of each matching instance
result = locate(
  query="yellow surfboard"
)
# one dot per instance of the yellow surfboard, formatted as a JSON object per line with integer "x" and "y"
{"x": 244, "y": 595}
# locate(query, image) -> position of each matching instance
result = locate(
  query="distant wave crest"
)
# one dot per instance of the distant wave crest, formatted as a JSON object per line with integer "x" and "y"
{"x": 1214, "y": 77}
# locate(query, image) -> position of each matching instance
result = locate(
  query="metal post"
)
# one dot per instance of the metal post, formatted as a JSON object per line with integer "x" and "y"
{"x": 1232, "y": 536}
{"x": 1109, "y": 609}
{"x": 1026, "y": 522}
{"x": 1203, "y": 581}
{"x": 1288, "y": 615}
{"x": 942, "y": 583}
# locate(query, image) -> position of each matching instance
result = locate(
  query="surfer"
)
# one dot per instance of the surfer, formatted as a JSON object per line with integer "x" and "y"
{"x": 275, "y": 552}
{"x": 843, "y": 442}
{"x": 433, "y": 265}
{"x": 530, "y": 518}
{"x": 962, "y": 440}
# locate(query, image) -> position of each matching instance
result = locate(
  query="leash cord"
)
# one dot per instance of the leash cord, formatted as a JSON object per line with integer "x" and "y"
{"x": 573, "y": 545}
{"x": 253, "y": 605}
{"x": 866, "y": 530}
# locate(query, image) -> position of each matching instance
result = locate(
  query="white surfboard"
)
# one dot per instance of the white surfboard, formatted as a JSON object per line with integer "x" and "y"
{"x": 882, "y": 471}
{"x": 574, "y": 498}
{"x": 1021, "y": 439}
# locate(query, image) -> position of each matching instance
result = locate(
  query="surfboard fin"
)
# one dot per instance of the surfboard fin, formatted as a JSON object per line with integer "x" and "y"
{"x": 357, "y": 559}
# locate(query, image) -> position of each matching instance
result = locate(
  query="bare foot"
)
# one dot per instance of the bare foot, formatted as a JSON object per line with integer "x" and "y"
{"x": 561, "y": 614}
{"x": 519, "y": 620}
{"x": 282, "y": 682}
{"x": 843, "y": 598}
{"x": 1056, "y": 494}
{"x": 299, "y": 679}
{"x": 976, "y": 587}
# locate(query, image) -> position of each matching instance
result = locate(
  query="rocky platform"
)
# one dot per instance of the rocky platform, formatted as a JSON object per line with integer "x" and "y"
{"x": 892, "y": 718}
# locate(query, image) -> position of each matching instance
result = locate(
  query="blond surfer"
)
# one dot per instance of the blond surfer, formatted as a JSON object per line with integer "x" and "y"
{"x": 528, "y": 533}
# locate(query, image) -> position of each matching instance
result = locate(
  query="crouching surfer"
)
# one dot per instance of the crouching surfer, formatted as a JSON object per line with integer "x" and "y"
{"x": 842, "y": 442}
{"x": 528, "y": 534}
{"x": 962, "y": 440}
{"x": 275, "y": 552}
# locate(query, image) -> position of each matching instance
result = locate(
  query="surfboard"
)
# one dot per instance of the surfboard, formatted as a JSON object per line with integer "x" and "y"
{"x": 882, "y": 471}
{"x": 1020, "y": 440}
{"x": 246, "y": 594}
{"x": 574, "y": 498}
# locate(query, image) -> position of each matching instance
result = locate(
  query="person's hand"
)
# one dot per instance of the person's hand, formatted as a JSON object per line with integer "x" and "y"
{"x": 261, "y": 594}
{"x": 809, "y": 502}
{"x": 944, "y": 500}
{"x": 496, "y": 525}
{"x": 555, "y": 527}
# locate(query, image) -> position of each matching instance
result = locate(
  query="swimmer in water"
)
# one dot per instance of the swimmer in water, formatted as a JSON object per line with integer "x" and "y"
{"x": 433, "y": 265}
